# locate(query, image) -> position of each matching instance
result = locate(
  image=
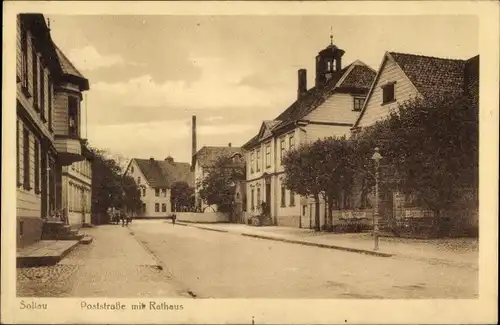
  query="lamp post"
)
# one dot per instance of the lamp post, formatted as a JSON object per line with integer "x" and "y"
{"x": 376, "y": 158}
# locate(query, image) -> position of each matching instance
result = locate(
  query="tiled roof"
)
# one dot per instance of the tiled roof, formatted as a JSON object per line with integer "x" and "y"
{"x": 432, "y": 75}
{"x": 472, "y": 78}
{"x": 360, "y": 77}
{"x": 163, "y": 173}
{"x": 66, "y": 65}
{"x": 207, "y": 156}
{"x": 68, "y": 68}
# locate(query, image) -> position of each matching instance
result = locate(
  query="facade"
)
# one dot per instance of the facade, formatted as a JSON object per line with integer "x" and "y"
{"x": 402, "y": 77}
{"x": 330, "y": 108}
{"x": 203, "y": 162}
{"x": 77, "y": 191}
{"x": 48, "y": 124}
{"x": 155, "y": 178}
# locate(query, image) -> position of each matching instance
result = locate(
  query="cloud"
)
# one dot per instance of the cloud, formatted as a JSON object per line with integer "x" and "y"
{"x": 218, "y": 86}
{"x": 88, "y": 58}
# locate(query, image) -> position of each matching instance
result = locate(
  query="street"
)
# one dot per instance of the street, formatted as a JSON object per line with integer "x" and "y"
{"x": 221, "y": 265}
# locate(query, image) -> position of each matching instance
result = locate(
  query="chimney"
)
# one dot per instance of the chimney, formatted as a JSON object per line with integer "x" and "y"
{"x": 229, "y": 144}
{"x": 193, "y": 143}
{"x": 302, "y": 85}
{"x": 151, "y": 159}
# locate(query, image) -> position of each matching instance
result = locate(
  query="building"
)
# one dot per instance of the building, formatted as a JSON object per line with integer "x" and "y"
{"x": 330, "y": 108}
{"x": 77, "y": 190}
{"x": 203, "y": 161}
{"x": 155, "y": 178}
{"x": 48, "y": 125}
{"x": 402, "y": 77}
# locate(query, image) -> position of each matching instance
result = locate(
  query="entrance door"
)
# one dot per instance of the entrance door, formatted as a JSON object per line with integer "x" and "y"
{"x": 268, "y": 197}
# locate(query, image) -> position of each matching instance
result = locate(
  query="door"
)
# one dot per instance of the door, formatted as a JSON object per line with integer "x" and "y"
{"x": 268, "y": 197}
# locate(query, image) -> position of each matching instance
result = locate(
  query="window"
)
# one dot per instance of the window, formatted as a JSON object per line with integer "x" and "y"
{"x": 49, "y": 86}
{"x": 157, "y": 207}
{"x": 143, "y": 192}
{"x": 144, "y": 207}
{"x": 258, "y": 160}
{"x": 252, "y": 158}
{"x": 268, "y": 156}
{"x": 34, "y": 62}
{"x": 282, "y": 149}
{"x": 292, "y": 198}
{"x": 283, "y": 196}
{"x": 24, "y": 59}
{"x": 163, "y": 207}
{"x": 139, "y": 180}
{"x": 304, "y": 209}
{"x": 73, "y": 116}
{"x": 252, "y": 199}
{"x": 157, "y": 192}
{"x": 42, "y": 92}
{"x": 26, "y": 159}
{"x": 131, "y": 169}
{"x": 388, "y": 93}
{"x": 358, "y": 104}
{"x": 18, "y": 156}
{"x": 291, "y": 142}
{"x": 37, "y": 167}
{"x": 164, "y": 192}
{"x": 258, "y": 196}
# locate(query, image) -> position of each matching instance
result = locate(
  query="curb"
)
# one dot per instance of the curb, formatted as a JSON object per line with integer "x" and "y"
{"x": 305, "y": 243}
{"x": 300, "y": 242}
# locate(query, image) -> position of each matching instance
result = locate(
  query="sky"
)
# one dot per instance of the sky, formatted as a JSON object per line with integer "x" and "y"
{"x": 149, "y": 74}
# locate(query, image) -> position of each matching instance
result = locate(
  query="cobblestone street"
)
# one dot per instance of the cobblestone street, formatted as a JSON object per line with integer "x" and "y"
{"x": 113, "y": 265}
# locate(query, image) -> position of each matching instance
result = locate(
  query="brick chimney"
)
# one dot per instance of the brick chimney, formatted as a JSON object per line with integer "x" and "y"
{"x": 229, "y": 144}
{"x": 302, "y": 84}
{"x": 193, "y": 139}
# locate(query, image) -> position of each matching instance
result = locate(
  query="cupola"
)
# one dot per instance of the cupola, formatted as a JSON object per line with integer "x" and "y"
{"x": 328, "y": 61}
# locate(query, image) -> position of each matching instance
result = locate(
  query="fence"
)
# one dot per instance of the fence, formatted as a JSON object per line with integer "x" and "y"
{"x": 198, "y": 217}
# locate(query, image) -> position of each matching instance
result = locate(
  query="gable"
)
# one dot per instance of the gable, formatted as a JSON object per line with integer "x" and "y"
{"x": 338, "y": 108}
{"x": 373, "y": 109}
{"x": 136, "y": 173}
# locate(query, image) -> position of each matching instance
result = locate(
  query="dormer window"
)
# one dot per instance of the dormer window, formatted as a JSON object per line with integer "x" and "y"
{"x": 388, "y": 94}
{"x": 358, "y": 103}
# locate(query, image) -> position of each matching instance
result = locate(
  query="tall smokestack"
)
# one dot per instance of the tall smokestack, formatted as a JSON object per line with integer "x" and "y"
{"x": 302, "y": 84}
{"x": 193, "y": 136}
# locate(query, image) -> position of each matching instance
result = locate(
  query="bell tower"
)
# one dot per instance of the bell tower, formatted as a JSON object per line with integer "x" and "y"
{"x": 328, "y": 61}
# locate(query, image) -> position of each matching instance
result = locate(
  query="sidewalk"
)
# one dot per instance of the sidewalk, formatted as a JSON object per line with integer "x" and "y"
{"x": 115, "y": 264}
{"x": 462, "y": 252}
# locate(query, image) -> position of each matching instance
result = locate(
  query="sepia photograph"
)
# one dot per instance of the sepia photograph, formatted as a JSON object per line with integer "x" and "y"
{"x": 245, "y": 156}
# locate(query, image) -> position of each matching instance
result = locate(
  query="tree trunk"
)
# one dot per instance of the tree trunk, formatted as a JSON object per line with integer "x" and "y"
{"x": 317, "y": 225}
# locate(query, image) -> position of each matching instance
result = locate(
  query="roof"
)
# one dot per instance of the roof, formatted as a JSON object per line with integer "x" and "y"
{"x": 208, "y": 155}
{"x": 163, "y": 173}
{"x": 356, "y": 76}
{"x": 69, "y": 69}
{"x": 472, "y": 78}
{"x": 430, "y": 74}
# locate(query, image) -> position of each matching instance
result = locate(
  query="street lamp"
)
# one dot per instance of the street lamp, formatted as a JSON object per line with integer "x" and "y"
{"x": 376, "y": 158}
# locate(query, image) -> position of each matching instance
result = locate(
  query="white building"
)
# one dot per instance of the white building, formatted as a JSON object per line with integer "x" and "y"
{"x": 328, "y": 109}
{"x": 77, "y": 191}
{"x": 155, "y": 178}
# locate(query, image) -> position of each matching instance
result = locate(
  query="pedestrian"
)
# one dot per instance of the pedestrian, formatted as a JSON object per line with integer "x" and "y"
{"x": 173, "y": 218}
{"x": 122, "y": 215}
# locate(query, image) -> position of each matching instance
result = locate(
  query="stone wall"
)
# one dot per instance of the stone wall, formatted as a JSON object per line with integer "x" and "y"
{"x": 200, "y": 217}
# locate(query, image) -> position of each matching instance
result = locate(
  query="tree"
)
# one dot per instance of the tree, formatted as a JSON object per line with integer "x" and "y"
{"x": 182, "y": 195}
{"x": 109, "y": 189}
{"x": 429, "y": 148}
{"x": 323, "y": 167}
{"x": 302, "y": 174}
{"x": 218, "y": 187}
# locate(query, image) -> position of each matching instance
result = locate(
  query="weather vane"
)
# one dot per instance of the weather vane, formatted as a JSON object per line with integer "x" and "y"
{"x": 331, "y": 35}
